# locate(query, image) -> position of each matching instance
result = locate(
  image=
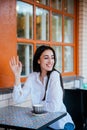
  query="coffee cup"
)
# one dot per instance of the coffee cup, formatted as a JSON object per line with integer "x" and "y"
{"x": 38, "y": 108}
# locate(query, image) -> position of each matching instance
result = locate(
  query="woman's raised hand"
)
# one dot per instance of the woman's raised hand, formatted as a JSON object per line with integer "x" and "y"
{"x": 16, "y": 66}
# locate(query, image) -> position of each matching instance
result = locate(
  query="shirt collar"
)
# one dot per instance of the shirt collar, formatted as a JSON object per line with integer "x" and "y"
{"x": 38, "y": 78}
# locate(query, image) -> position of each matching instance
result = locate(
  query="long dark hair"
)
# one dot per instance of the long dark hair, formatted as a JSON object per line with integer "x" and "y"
{"x": 39, "y": 51}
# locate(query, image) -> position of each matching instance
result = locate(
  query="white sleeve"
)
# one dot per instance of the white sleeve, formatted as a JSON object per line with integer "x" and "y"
{"x": 54, "y": 94}
{"x": 20, "y": 93}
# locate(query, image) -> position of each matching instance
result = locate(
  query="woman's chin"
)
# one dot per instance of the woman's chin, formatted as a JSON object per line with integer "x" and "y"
{"x": 49, "y": 69}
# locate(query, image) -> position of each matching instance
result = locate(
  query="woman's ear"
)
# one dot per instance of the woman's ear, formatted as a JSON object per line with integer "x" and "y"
{"x": 39, "y": 61}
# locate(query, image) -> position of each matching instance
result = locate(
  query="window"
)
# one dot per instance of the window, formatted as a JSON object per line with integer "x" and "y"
{"x": 42, "y": 24}
{"x": 25, "y": 53}
{"x": 58, "y": 50}
{"x": 68, "y": 30}
{"x": 68, "y": 59}
{"x": 56, "y": 27}
{"x": 44, "y": 2}
{"x": 49, "y": 22}
{"x": 57, "y": 4}
{"x": 24, "y": 20}
{"x": 69, "y": 6}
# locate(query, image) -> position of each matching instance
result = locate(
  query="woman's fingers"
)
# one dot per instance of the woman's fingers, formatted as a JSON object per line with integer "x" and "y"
{"x": 14, "y": 61}
{"x": 17, "y": 60}
{"x": 15, "y": 64}
{"x": 11, "y": 62}
{"x": 20, "y": 64}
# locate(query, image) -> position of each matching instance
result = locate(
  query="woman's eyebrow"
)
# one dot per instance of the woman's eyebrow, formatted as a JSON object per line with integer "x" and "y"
{"x": 48, "y": 55}
{"x": 45, "y": 55}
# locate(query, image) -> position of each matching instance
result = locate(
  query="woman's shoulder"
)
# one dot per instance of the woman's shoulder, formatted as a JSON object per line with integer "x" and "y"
{"x": 33, "y": 75}
{"x": 55, "y": 73}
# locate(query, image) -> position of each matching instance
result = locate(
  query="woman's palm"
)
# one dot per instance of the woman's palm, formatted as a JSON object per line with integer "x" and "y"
{"x": 16, "y": 66}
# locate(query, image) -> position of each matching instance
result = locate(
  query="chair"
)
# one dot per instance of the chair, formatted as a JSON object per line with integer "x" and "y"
{"x": 72, "y": 101}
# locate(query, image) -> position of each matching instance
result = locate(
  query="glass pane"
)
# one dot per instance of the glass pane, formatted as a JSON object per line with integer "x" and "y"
{"x": 25, "y": 53}
{"x": 68, "y": 30}
{"x": 44, "y": 2}
{"x": 38, "y": 45}
{"x": 69, "y": 6}
{"x": 24, "y": 20}
{"x": 57, "y": 4}
{"x": 58, "y": 51}
{"x": 56, "y": 27}
{"x": 68, "y": 59}
{"x": 42, "y": 24}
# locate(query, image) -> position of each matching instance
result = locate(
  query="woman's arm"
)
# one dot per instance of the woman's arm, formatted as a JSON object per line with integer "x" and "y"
{"x": 16, "y": 67}
{"x": 19, "y": 93}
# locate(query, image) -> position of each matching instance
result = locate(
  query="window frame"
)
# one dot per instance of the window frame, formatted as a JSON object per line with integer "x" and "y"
{"x": 51, "y": 43}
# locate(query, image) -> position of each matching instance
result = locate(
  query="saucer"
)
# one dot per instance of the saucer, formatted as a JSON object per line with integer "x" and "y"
{"x": 39, "y": 114}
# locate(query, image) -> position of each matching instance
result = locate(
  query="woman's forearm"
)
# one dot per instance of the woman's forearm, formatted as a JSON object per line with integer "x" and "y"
{"x": 17, "y": 80}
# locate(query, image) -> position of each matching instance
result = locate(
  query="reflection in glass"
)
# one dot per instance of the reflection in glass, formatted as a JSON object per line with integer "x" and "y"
{"x": 56, "y": 27}
{"x": 44, "y": 2}
{"x": 68, "y": 59}
{"x": 68, "y": 30}
{"x": 58, "y": 51}
{"x": 24, "y": 20}
{"x": 57, "y": 4}
{"x": 69, "y": 6}
{"x": 25, "y": 53}
{"x": 42, "y": 24}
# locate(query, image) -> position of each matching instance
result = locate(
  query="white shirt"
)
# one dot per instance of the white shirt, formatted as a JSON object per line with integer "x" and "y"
{"x": 54, "y": 95}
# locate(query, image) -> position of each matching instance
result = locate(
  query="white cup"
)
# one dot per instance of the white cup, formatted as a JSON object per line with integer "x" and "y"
{"x": 38, "y": 108}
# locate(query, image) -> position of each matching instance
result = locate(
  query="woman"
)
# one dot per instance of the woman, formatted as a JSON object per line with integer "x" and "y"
{"x": 43, "y": 84}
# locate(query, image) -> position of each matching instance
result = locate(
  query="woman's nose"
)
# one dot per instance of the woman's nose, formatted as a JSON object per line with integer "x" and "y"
{"x": 50, "y": 60}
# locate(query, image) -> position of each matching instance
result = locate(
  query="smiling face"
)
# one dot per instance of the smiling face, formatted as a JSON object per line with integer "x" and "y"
{"x": 46, "y": 61}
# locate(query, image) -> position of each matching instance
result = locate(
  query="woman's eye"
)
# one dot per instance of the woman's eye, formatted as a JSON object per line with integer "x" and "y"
{"x": 52, "y": 57}
{"x": 48, "y": 58}
{"x": 45, "y": 57}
